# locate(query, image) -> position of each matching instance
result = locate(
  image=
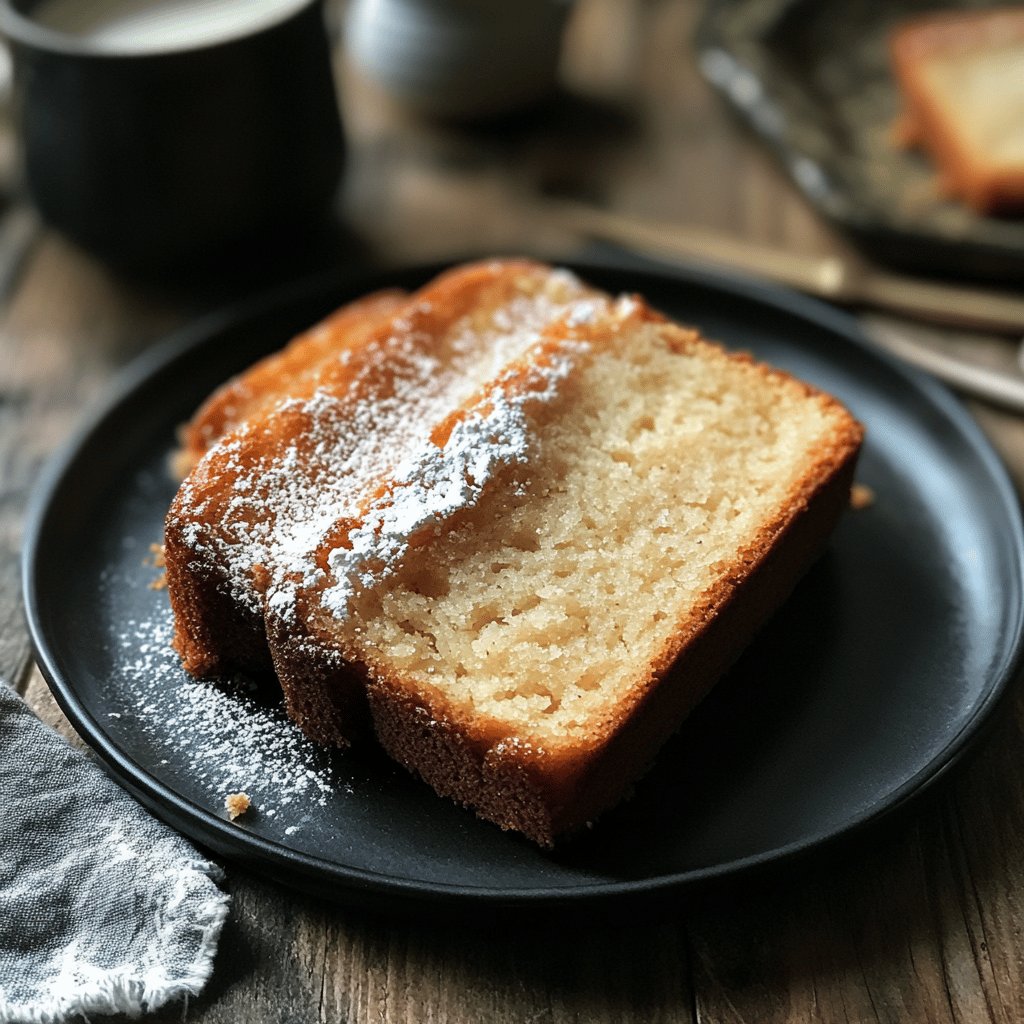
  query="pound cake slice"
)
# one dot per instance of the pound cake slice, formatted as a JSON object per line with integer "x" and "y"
{"x": 962, "y": 76}
{"x": 543, "y": 589}
{"x": 253, "y": 510}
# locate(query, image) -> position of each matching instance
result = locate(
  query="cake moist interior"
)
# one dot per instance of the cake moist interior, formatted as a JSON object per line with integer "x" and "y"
{"x": 537, "y": 605}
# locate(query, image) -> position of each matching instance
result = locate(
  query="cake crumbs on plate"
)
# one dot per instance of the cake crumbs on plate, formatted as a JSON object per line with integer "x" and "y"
{"x": 236, "y": 804}
{"x": 156, "y": 560}
{"x": 220, "y": 734}
{"x": 861, "y": 496}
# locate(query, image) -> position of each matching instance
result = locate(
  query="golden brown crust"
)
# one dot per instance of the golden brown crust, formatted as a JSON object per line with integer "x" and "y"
{"x": 215, "y": 632}
{"x": 291, "y": 373}
{"x": 324, "y": 694}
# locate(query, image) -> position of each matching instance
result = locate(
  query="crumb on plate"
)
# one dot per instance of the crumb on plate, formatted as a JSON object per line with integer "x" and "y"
{"x": 861, "y": 496}
{"x": 155, "y": 559}
{"x": 236, "y": 804}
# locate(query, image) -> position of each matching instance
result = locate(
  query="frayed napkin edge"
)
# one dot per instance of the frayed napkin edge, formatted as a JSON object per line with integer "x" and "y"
{"x": 128, "y": 993}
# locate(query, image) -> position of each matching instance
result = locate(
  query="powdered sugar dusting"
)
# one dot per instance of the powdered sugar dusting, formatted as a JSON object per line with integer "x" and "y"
{"x": 434, "y": 482}
{"x": 346, "y": 439}
{"x": 220, "y": 733}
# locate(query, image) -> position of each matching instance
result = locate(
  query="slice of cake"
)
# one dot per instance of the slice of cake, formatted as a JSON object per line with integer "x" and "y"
{"x": 962, "y": 77}
{"x": 538, "y": 593}
{"x": 252, "y": 512}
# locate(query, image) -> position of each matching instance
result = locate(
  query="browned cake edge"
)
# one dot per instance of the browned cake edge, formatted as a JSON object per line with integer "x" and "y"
{"x": 281, "y": 374}
{"x": 213, "y": 632}
{"x": 323, "y": 694}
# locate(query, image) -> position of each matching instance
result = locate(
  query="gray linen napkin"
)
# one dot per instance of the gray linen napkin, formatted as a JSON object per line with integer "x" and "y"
{"x": 103, "y": 909}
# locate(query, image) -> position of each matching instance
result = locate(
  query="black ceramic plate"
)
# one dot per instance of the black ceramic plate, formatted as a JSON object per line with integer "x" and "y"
{"x": 812, "y": 78}
{"x": 864, "y": 689}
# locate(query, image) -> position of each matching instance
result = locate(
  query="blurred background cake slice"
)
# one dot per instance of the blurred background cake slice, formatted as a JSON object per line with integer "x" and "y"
{"x": 962, "y": 78}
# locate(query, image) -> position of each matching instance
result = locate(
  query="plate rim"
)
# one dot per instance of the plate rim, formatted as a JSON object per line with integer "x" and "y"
{"x": 354, "y": 884}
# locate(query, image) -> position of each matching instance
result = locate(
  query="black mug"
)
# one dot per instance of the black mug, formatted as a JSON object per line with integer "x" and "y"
{"x": 176, "y": 159}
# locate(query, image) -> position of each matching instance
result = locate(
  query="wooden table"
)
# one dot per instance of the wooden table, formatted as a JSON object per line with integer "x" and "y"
{"x": 919, "y": 921}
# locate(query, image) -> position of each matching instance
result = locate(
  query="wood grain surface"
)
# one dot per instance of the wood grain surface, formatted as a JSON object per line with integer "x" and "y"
{"x": 919, "y": 921}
